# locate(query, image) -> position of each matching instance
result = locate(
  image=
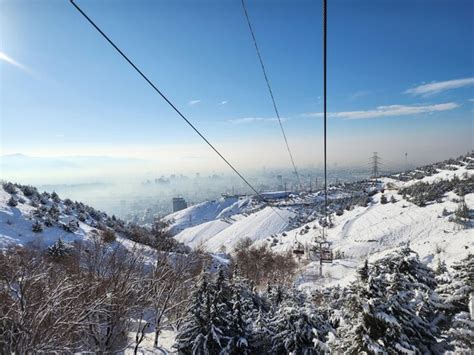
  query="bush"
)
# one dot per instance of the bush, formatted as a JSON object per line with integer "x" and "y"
{"x": 71, "y": 226}
{"x": 9, "y": 187}
{"x": 37, "y": 227}
{"x": 108, "y": 236}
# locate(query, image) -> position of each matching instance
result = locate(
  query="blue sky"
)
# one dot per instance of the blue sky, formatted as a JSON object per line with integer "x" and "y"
{"x": 401, "y": 78}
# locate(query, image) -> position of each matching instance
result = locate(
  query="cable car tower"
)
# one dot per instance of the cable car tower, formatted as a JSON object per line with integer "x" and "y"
{"x": 321, "y": 247}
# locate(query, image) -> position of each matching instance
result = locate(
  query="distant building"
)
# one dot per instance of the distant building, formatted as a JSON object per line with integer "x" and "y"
{"x": 179, "y": 204}
{"x": 279, "y": 182}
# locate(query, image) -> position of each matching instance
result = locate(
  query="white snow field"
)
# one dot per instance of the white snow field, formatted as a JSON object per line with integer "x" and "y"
{"x": 223, "y": 207}
{"x": 226, "y": 232}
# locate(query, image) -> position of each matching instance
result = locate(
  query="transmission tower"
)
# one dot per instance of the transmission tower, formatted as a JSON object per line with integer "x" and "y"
{"x": 376, "y": 162}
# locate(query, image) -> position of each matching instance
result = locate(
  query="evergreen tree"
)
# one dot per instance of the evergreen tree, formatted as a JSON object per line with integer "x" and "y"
{"x": 201, "y": 333}
{"x": 297, "y": 327}
{"x": 383, "y": 199}
{"x": 457, "y": 293}
{"x": 12, "y": 202}
{"x": 58, "y": 250}
{"x": 461, "y": 333}
{"x": 37, "y": 227}
{"x": 363, "y": 272}
{"x": 55, "y": 197}
{"x": 461, "y": 214}
{"x": 395, "y": 311}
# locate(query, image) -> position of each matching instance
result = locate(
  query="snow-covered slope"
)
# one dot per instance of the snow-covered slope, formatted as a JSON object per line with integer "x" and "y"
{"x": 207, "y": 211}
{"x": 359, "y": 233}
{"x": 226, "y": 232}
{"x": 59, "y": 219}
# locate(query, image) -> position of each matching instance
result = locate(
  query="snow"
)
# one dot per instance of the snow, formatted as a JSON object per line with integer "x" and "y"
{"x": 15, "y": 226}
{"x": 215, "y": 234}
{"x": 224, "y": 207}
{"x": 362, "y": 233}
{"x": 165, "y": 343}
{"x": 16, "y": 229}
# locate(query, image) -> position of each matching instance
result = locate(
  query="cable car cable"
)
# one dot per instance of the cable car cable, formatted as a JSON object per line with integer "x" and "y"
{"x": 262, "y": 65}
{"x": 173, "y": 106}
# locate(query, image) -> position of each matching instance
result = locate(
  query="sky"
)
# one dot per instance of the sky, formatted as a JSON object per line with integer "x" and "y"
{"x": 400, "y": 79}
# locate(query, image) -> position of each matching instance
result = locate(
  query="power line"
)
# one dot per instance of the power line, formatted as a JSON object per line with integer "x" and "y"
{"x": 172, "y": 106}
{"x": 262, "y": 65}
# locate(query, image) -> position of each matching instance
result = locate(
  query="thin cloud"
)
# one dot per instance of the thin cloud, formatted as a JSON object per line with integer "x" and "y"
{"x": 9, "y": 60}
{"x": 472, "y": 100}
{"x": 225, "y": 102}
{"x": 359, "y": 94}
{"x": 389, "y": 111}
{"x": 441, "y": 86}
{"x": 194, "y": 102}
{"x": 254, "y": 120}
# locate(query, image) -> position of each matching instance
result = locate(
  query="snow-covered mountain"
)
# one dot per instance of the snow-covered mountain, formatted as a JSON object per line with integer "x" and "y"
{"x": 364, "y": 225}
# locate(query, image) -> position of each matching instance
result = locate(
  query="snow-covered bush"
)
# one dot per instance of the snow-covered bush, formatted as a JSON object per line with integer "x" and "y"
{"x": 37, "y": 227}
{"x": 71, "y": 226}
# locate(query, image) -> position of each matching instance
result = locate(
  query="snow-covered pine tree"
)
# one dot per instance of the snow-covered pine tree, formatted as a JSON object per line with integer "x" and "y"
{"x": 396, "y": 311}
{"x": 37, "y": 227}
{"x": 200, "y": 333}
{"x": 359, "y": 327}
{"x": 58, "y": 249}
{"x": 458, "y": 294}
{"x": 461, "y": 333}
{"x": 458, "y": 291}
{"x": 260, "y": 333}
{"x": 237, "y": 322}
{"x": 297, "y": 327}
{"x": 461, "y": 214}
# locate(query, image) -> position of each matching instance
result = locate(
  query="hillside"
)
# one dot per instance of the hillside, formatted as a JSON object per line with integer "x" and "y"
{"x": 29, "y": 217}
{"x": 364, "y": 227}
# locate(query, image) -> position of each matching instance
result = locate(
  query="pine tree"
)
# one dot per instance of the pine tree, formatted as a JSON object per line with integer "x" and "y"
{"x": 383, "y": 199}
{"x": 37, "y": 227}
{"x": 55, "y": 197}
{"x": 461, "y": 333}
{"x": 12, "y": 202}
{"x": 58, "y": 250}
{"x": 201, "y": 334}
{"x": 364, "y": 271}
{"x": 395, "y": 311}
{"x": 461, "y": 214}
{"x": 297, "y": 327}
{"x": 458, "y": 292}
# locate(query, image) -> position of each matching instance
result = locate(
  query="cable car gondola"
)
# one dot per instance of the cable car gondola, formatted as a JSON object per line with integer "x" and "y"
{"x": 298, "y": 248}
